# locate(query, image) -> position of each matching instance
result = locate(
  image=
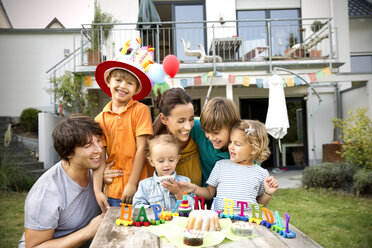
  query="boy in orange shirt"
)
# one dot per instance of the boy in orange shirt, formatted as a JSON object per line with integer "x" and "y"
{"x": 126, "y": 124}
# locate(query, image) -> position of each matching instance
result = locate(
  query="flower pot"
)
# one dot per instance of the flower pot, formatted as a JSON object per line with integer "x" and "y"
{"x": 94, "y": 57}
{"x": 315, "y": 53}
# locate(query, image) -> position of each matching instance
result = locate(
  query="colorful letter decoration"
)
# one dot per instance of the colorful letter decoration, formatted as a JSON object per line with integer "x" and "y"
{"x": 157, "y": 209}
{"x": 228, "y": 206}
{"x": 197, "y": 200}
{"x": 242, "y": 207}
{"x": 125, "y": 221}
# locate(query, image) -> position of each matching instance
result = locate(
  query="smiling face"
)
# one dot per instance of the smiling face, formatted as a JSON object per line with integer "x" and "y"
{"x": 219, "y": 138}
{"x": 123, "y": 86}
{"x": 240, "y": 150}
{"x": 180, "y": 121}
{"x": 164, "y": 157}
{"x": 89, "y": 155}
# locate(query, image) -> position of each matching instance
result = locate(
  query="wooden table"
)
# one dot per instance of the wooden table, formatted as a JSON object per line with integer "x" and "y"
{"x": 111, "y": 235}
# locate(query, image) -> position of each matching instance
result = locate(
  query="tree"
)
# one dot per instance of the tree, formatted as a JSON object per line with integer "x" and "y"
{"x": 69, "y": 89}
{"x": 357, "y": 138}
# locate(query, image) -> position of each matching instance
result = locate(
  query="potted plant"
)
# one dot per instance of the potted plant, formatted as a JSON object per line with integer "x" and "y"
{"x": 315, "y": 27}
{"x": 94, "y": 52}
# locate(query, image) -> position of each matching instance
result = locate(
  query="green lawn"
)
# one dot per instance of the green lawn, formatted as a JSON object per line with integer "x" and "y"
{"x": 332, "y": 219}
{"x": 11, "y": 216}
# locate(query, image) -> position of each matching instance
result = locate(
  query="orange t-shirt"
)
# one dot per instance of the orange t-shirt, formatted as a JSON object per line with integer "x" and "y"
{"x": 119, "y": 137}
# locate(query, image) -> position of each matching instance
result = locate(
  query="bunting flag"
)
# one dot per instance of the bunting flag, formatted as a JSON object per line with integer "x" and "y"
{"x": 246, "y": 81}
{"x": 327, "y": 71}
{"x": 88, "y": 81}
{"x": 231, "y": 79}
{"x": 197, "y": 80}
{"x": 289, "y": 81}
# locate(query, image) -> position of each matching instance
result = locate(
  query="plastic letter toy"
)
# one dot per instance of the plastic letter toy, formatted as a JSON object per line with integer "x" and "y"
{"x": 269, "y": 218}
{"x": 228, "y": 206}
{"x": 254, "y": 219}
{"x": 197, "y": 200}
{"x": 279, "y": 225}
{"x": 157, "y": 209}
{"x": 125, "y": 221}
{"x": 142, "y": 213}
{"x": 243, "y": 204}
{"x": 287, "y": 233}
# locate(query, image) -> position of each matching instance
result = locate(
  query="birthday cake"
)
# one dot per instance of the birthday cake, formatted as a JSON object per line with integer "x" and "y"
{"x": 242, "y": 228}
{"x": 204, "y": 220}
{"x": 193, "y": 237}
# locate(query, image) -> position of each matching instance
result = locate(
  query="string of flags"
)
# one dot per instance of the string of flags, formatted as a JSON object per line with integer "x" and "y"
{"x": 288, "y": 81}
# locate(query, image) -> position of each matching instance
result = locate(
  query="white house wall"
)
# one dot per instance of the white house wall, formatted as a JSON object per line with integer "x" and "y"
{"x": 25, "y": 58}
{"x": 356, "y": 98}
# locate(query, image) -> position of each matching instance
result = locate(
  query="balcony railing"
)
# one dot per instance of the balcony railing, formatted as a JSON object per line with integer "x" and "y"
{"x": 213, "y": 42}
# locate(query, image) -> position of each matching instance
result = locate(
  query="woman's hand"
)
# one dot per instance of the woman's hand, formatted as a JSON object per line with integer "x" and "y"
{"x": 174, "y": 187}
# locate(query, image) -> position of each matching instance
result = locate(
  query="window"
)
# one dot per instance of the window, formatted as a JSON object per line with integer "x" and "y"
{"x": 361, "y": 63}
{"x": 284, "y": 34}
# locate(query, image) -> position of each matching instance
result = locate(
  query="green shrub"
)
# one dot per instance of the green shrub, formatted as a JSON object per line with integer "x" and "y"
{"x": 328, "y": 175}
{"x": 12, "y": 176}
{"x": 357, "y": 138}
{"x": 29, "y": 120}
{"x": 363, "y": 182}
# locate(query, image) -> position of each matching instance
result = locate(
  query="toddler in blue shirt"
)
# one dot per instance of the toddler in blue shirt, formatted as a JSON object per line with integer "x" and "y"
{"x": 163, "y": 154}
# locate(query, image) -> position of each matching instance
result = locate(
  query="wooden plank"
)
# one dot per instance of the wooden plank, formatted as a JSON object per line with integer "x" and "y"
{"x": 111, "y": 235}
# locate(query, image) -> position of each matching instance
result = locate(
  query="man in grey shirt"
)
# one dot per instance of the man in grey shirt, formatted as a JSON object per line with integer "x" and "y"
{"x": 61, "y": 209}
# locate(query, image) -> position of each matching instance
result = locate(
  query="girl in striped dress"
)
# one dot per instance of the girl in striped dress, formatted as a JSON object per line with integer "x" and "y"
{"x": 240, "y": 178}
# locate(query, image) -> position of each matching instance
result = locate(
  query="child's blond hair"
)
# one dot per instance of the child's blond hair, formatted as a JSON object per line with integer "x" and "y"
{"x": 218, "y": 113}
{"x": 127, "y": 76}
{"x": 161, "y": 139}
{"x": 256, "y": 137}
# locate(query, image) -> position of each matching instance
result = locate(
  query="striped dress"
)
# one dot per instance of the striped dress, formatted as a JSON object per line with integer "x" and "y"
{"x": 236, "y": 182}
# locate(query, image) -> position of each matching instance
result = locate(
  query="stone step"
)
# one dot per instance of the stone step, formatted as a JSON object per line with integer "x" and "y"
{"x": 31, "y": 166}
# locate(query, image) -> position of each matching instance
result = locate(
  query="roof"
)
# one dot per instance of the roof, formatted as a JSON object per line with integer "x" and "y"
{"x": 55, "y": 23}
{"x": 360, "y": 8}
{"x": 5, "y": 14}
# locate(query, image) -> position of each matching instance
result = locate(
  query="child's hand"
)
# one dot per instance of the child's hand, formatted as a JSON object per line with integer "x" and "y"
{"x": 271, "y": 185}
{"x": 102, "y": 201}
{"x": 128, "y": 193}
{"x": 173, "y": 187}
{"x": 109, "y": 175}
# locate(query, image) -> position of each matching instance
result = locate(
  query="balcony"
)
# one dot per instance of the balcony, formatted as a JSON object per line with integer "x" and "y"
{"x": 238, "y": 45}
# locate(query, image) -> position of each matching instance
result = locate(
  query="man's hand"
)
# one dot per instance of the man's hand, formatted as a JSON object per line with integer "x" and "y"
{"x": 109, "y": 175}
{"x": 271, "y": 185}
{"x": 128, "y": 193}
{"x": 102, "y": 202}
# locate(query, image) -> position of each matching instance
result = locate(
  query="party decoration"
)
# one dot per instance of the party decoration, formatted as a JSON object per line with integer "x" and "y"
{"x": 156, "y": 73}
{"x": 125, "y": 221}
{"x": 163, "y": 87}
{"x": 171, "y": 65}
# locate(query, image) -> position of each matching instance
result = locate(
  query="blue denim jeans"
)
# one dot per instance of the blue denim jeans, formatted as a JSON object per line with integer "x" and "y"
{"x": 113, "y": 202}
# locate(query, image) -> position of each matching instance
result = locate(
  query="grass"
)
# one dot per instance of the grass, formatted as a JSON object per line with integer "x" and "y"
{"x": 330, "y": 218}
{"x": 11, "y": 216}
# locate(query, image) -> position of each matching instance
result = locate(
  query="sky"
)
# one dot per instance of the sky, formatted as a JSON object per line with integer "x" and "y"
{"x": 39, "y": 13}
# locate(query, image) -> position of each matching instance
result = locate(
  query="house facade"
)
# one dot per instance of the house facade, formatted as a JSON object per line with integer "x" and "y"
{"x": 242, "y": 43}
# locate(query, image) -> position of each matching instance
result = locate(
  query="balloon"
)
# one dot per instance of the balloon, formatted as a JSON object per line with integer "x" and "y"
{"x": 171, "y": 65}
{"x": 152, "y": 82}
{"x": 156, "y": 73}
{"x": 163, "y": 87}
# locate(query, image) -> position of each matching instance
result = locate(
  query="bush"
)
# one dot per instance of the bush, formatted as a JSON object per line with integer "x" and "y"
{"x": 357, "y": 138}
{"x": 328, "y": 175}
{"x": 363, "y": 182}
{"x": 29, "y": 120}
{"x": 13, "y": 177}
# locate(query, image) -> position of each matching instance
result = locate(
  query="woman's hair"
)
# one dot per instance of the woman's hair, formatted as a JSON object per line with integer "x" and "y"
{"x": 127, "y": 76}
{"x": 162, "y": 139}
{"x": 170, "y": 98}
{"x": 218, "y": 113}
{"x": 256, "y": 137}
{"x": 75, "y": 131}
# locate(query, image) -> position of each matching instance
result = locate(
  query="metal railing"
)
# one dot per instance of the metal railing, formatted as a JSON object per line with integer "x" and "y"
{"x": 234, "y": 41}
